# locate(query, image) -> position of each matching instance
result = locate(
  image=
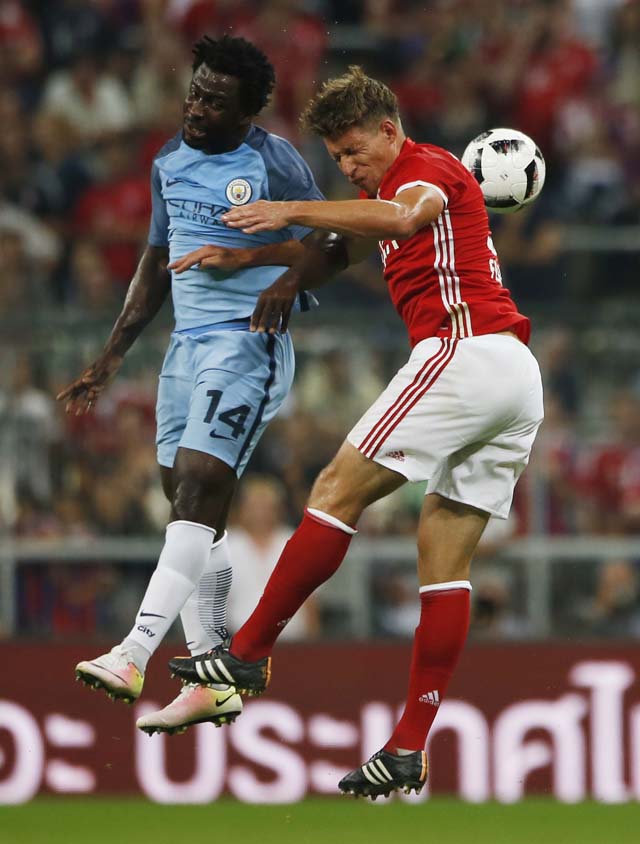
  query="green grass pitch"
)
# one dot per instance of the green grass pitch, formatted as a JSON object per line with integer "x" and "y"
{"x": 334, "y": 821}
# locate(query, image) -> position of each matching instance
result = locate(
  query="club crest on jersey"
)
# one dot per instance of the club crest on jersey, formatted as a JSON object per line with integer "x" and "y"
{"x": 239, "y": 191}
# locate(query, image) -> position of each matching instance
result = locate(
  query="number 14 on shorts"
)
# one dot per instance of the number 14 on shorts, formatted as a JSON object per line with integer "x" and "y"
{"x": 235, "y": 418}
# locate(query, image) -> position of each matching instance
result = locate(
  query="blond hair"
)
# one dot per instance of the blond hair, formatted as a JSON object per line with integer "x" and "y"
{"x": 353, "y": 99}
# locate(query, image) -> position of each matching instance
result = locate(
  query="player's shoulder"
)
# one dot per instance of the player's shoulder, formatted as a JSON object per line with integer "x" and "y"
{"x": 167, "y": 148}
{"x": 288, "y": 173}
{"x": 274, "y": 149}
{"x": 438, "y": 156}
{"x": 428, "y": 163}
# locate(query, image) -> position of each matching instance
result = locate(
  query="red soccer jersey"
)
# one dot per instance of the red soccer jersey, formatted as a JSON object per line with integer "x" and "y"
{"x": 445, "y": 280}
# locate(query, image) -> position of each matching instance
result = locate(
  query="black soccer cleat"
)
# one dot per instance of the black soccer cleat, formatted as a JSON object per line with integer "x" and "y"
{"x": 220, "y": 666}
{"x": 385, "y": 772}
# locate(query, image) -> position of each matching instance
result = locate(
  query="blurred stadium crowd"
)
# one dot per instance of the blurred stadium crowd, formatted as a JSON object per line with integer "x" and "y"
{"x": 90, "y": 89}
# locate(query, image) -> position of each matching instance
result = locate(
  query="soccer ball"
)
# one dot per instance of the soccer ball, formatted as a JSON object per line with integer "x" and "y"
{"x": 508, "y": 166}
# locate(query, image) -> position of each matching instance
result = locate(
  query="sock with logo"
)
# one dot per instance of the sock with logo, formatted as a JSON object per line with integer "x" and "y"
{"x": 310, "y": 557}
{"x": 182, "y": 561}
{"x": 204, "y": 616}
{"x": 437, "y": 644}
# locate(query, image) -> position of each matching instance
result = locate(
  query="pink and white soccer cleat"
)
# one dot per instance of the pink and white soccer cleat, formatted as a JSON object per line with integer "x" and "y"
{"x": 195, "y": 704}
{"x": 113, "y": 672}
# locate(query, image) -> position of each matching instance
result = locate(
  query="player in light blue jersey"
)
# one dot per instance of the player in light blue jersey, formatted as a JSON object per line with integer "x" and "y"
{"x": 220, "y": 384}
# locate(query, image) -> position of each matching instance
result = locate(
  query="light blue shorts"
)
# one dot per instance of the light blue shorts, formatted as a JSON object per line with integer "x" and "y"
{"x": 219, "y": 389}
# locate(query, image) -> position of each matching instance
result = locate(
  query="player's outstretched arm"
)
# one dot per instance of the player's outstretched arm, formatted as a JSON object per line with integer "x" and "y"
{"x": 148, "y": 290}
{"x": 401, "y": 217}
{"x": 325, "y": 254}
{"x": 229, "y": 260}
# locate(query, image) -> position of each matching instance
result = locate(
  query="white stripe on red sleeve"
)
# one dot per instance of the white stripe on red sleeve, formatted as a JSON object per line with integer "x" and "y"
{"x": 419, "y": 183}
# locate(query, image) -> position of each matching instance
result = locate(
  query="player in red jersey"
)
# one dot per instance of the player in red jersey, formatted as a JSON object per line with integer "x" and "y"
{"x": 462, "y": 413}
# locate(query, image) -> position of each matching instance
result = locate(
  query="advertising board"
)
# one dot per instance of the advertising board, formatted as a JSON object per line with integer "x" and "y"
{"x": 519, "y": 719}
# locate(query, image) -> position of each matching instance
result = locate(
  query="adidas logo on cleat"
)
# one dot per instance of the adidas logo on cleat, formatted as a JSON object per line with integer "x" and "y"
{"x": 219, "y": 666}
{"x": 386, "y": 772}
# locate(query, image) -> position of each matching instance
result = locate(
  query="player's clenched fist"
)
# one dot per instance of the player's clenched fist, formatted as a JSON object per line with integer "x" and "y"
{"x": 212, "y": 258}
{"x": 83, "y": 393}
{"x": 261, "y": 216}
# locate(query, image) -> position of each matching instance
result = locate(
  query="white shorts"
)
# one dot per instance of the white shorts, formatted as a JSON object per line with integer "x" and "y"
{"x": 461, "y": 414}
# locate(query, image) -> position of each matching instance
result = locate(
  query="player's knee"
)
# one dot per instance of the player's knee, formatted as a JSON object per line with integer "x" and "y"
{"x": 328, "y": 487}
{"x": 199, "y": 499}
{"x": 202, "y": 486}
{"x": 187, "y": 499}
{"x": 335, "y": 494}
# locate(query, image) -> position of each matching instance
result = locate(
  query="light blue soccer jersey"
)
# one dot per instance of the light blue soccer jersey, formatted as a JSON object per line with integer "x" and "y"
{"x": 220, "y": 384}
{"x": 191, "y": 190}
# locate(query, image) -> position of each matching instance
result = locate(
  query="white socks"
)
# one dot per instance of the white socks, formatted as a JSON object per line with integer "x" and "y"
{"x": 204, "y": 616}
{"x": 183, "y": 559}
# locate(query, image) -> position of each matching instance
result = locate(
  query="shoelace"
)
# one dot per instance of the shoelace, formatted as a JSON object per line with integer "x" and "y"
{"x": 215, "y": 651}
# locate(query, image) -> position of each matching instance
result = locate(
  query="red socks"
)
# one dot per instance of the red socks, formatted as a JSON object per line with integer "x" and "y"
{"x": 438, "y": 642}
{"x": 310, "y": 557}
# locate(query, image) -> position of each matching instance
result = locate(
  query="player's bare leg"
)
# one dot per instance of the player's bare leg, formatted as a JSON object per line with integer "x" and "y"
{"x": 447, "y": 537}
{"x": 200, "y": 488}
{"x": 342, "y": 491}
{"x": 448, "y": 534}
{"x": 346, "y": 487}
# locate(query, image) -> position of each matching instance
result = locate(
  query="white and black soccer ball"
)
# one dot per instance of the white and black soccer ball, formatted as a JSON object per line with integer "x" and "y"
{"x": 509, "y": 168}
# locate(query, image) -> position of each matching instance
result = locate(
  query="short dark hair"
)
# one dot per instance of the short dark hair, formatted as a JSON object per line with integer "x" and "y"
{"x": 353, "y": 99}
{"x": 242, "y": 59}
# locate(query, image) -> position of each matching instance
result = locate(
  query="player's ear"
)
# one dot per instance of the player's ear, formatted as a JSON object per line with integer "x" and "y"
{"x": 389, "y": 129}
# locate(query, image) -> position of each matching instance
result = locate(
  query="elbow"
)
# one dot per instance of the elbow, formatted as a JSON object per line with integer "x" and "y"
{"x": 335, "y": 251}
{"x": 406, "y": 226}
